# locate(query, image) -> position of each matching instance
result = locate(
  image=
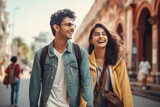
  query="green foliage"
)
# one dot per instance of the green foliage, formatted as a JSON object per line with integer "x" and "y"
{"x": 24, "y": 52}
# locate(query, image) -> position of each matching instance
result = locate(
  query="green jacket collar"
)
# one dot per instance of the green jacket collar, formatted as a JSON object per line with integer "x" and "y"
{"x": 51, "y": 50}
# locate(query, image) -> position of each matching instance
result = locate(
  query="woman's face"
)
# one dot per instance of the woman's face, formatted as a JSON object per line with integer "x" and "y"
{"x": 99, "y": 38}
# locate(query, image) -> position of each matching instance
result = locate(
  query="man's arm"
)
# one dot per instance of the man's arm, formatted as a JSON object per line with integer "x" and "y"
{"x": 35, "y": 81}
{"x": 86, "y": 78}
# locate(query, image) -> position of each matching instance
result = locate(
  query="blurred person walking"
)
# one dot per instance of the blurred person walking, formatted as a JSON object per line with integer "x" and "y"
{"x": 56, "y": 69}
{"x": 13, "y": 71}
{"x": 144, "y": 68}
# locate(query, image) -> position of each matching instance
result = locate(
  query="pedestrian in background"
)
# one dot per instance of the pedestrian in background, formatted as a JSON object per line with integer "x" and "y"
{"x": 105, "y": 51}
{"x": 62, "y": 77}
{"x": 13, "y": 70}
{"x": 144, "y": 68}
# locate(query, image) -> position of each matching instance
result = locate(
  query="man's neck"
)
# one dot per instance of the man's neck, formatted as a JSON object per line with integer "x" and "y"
{"x": 60, "y": 45}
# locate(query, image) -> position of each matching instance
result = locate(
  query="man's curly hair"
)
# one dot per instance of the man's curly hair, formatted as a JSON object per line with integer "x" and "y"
{"x": 57, "y": 17}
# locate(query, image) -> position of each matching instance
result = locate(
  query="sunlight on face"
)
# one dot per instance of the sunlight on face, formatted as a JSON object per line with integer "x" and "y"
{"x": 99, "y": 38}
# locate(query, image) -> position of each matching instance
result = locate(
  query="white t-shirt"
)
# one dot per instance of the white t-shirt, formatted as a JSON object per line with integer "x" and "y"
{"x": 58, "y": 96}
{"x": 144, "y": 67}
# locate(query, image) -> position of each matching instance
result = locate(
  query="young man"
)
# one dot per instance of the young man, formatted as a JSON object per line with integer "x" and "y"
{"x": 61, "y": 79}
{"x": 14, "y": 86}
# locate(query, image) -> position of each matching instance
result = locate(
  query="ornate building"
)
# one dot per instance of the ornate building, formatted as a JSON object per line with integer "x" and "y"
{"x": 4, "y": 52}
{"x": 138, "y": 24}
{"x": 43, "y": 39}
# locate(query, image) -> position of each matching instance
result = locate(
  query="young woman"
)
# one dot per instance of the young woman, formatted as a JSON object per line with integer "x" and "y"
{"x": 106, "y": 50}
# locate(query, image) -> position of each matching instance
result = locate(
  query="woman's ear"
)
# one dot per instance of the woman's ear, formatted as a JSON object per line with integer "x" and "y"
{"x": 91, "y": 41}
{"x": 56, "y": 27}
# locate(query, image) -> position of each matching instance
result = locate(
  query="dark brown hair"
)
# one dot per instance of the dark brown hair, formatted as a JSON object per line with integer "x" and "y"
{"x": 114, "y": 46}
{"x": 57, "y": 17}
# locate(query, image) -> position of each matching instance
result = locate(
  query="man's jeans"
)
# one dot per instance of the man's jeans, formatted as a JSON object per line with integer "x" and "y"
{"x": 14, "y": 92}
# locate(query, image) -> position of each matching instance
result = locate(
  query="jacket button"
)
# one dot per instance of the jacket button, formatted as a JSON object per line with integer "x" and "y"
{"x": 51, "y": 77}
{"x": 49, "y": 87}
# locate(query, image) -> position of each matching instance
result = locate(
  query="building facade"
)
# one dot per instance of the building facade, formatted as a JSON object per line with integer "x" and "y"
{"x": 4, "y": 46}
{"x": 44, "y": 38}
{"x": 136, "y": 21}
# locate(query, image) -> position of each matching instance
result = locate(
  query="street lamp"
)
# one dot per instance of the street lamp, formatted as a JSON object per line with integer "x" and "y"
{"x": 14, "y": 14}
{"x": 14, "y": 43}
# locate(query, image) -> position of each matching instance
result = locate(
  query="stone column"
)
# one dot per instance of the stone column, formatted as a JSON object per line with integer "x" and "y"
{"x": 154, "y": 22}
{"x": 139, "y": 31}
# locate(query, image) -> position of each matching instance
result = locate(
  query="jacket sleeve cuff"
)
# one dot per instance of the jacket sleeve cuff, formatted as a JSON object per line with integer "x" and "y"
{"x": 90, "y": 104}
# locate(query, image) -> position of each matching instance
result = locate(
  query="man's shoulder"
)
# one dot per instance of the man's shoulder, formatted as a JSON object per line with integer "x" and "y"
{"x": 38, "y": 52}
{"x": 81, "y": 48}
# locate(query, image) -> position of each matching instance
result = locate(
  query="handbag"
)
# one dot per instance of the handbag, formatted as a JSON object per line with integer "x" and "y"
{"x": 111, "y": 99}
{"x": 140, "y": 75}
{"x": 5, "y": 81}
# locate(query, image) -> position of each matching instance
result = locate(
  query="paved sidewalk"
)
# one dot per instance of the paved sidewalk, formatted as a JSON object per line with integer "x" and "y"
{"x": 152, "y": 92}
{"x": 23, "y": 100}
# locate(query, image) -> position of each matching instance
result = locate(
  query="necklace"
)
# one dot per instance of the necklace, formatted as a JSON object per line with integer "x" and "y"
{"x": 100, "y": 62}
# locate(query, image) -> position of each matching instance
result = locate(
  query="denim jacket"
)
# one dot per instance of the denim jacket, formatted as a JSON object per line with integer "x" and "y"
{"x": 43, "y": 89}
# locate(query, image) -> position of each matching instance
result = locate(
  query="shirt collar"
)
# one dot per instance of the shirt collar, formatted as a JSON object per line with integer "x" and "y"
{"x": 51, "y": 52}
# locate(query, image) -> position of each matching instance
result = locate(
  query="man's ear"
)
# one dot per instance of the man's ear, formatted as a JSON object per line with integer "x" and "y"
{"x": 56, "y": 27}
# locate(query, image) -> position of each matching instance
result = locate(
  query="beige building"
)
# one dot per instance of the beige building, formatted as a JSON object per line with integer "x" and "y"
{"x": 136, "y": 21}
{"x": 4, "y": 47}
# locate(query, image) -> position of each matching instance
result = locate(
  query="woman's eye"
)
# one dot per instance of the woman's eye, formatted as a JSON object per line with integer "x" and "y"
{"x": 104, "y": 34}
{"x": 96, "y": 34}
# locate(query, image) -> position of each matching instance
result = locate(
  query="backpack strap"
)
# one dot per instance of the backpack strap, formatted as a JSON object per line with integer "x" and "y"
{"x": 42, "y": 59}
{"x": 78, "y": 54}
{"x": 13, "y": 67}
{"x": 45, "y": 52}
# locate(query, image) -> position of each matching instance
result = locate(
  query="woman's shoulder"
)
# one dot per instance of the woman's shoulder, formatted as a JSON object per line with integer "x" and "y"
{"x": 120, "y": 60}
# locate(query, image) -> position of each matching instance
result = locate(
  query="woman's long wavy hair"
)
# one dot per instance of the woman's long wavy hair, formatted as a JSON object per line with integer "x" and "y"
{"x": 114, "y": 47}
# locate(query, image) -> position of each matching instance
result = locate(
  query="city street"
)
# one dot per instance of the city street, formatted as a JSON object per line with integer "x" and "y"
{"x": 24, "y": 99}
{"x": 23, "y": 93}
{"x": 143, "y": 102}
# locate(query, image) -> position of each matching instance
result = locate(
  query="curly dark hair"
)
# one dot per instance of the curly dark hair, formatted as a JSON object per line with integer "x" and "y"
{"x": 57, "y": 17}
{"x": 112, "y": 48}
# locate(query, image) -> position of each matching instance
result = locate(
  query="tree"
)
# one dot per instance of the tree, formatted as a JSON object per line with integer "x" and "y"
{"x": 24, "y": 51}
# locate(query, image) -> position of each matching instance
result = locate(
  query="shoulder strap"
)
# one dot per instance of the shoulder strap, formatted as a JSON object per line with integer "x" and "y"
{"x": 45, "y": 51}
{"x": 42, "y": 59}
{"x": 78, "y": 54}
{"x": 102, "y": 82}
{"x": 15, "y": 72}
{"x": 13, "y": 67}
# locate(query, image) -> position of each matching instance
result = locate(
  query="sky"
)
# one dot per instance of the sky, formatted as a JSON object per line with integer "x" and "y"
{"x": 27, "y": 18}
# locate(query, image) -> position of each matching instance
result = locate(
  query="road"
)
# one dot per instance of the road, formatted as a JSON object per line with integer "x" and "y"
{"x": 23, "y": 93}
{"x": 24, "y": 99}
{"x": 143, "y": 102}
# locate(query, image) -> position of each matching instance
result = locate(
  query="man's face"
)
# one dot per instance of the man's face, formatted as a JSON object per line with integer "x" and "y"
{"x": 67, "y": 28}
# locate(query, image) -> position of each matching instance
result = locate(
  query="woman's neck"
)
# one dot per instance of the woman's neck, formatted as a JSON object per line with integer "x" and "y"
{"x": 100, "y": 56}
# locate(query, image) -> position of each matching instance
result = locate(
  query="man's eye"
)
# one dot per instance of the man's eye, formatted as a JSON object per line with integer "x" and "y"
{"x": 69, "y": 24}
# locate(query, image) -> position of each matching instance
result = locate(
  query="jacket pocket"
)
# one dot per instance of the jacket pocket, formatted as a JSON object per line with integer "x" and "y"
{"x": 74, "y": 70}
{"x": 47, "y": 69}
